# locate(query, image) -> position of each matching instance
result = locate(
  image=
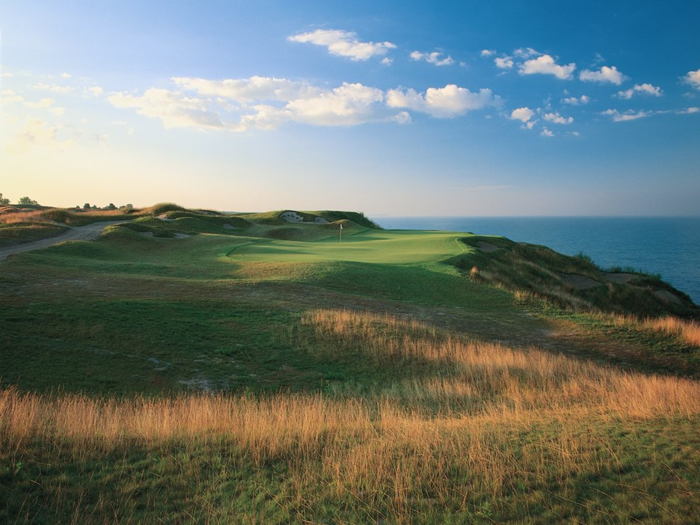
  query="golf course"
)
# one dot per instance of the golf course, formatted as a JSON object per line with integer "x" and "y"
{"x": 166, "y": 365}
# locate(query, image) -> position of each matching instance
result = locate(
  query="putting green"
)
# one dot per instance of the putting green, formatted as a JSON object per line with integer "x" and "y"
{"x": 369, "y": 246}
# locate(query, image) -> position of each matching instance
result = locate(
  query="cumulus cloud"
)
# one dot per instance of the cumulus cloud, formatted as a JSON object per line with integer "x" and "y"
{"x": 643, "y": 89}
{"x": 604, "y": 74}
{"x": 268, "y": 103}
{"x": 53, "y": 88}
{"x": 7, "y": 96}
{"x": 41, "y": 104}
{"x": 526, "y": 52}
{"x": 433, "y": 58}
{"x": 503, "y": 62}
{"x": 577, "y": 101}
{"x": 343, "y": 43}
{"x": 66, "y": 75}
{"x": 616, "y": 116}
{"x": 347, "y": 105}
{"x": 689, "y": 111}
{"x": 487, "y": 52}
{"x": 546, "y": 65}
{"x": 173, "y": 108}
{"x": 447, "y": 102}
{"x": 693, "y": 78}
{"x": 556, "y": 118}
{"x": 386, "y": 61}
{"x": 546, "y": 133}
{"x": 522, "y": 114}
{"x": 248, "y": 89}
{"x": 36, "y": 133}
{"x": 95, "y": 91}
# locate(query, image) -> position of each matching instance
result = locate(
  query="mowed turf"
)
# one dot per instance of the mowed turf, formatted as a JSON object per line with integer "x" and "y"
{"x": 368, "y": 246}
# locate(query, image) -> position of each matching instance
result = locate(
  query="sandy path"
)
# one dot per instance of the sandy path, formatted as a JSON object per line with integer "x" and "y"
{"x": 82, "y": 233}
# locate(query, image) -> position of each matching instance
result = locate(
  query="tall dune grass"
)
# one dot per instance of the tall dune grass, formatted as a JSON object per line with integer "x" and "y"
{"x": 532, "y": 421}
{"x": 685, "y": 331}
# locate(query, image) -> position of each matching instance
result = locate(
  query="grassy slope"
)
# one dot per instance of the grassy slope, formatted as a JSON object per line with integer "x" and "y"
{"x": 223, "y": 309}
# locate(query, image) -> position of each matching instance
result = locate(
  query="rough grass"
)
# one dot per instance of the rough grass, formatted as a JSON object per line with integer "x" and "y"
{"x": 550, "y": 439}
{"x": 20, "y": 232}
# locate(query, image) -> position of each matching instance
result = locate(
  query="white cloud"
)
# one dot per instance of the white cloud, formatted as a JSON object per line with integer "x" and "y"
{"x": 577, "y": 101}
{"x": 36, "y": 133}
{"x": 604, "y": 74}
{"x": 449, "y": 101}
{"x": 688, "y": 111}
{"x": 387, "y": 61}
{"x": 41, "y": 104}
{"x": 248, "y": 89}
{"x": 433, "y": 58}
{"x": 522, "y": 114}
{"x": 693, "y": 78}
{"x": 628, "y": 115}
{"x": 546, "y": 133}
{"x": 526, "y": 52}
{"x": 343, "y": 43}
{"x": 503, "y": 63}
{"x": 173, "y": 108}
{"x": 7, "y": 96}
{"x": 95, "y": 91}
{"x": 556, "y": 118}
{"x": 546, "y": 65}
{"x": 644, "y": 89}
{"x": 347, "y": 105}
{"x": 66, "y": 75}
{"x": 6, "y": 75}
{"x": 53, "y": 88}
{"x": 127, "y": 128}
{"x": 487, "y": 52}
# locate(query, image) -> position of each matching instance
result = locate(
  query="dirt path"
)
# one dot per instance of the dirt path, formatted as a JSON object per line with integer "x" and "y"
{"x": 82, "y": 233}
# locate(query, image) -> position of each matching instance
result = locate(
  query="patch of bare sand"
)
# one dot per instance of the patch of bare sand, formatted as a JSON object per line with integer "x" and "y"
{"x": 487, "y": 247}
{"x": 666, "y": 296}
{"x": 580, "y": 282}
{"x": 620, "y": 278}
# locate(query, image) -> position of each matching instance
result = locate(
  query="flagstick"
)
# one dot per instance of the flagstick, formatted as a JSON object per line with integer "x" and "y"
{"x": 341, "y": 233}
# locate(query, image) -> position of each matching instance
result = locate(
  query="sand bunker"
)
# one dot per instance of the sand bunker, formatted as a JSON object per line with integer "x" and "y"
{"x": 620, "y": 278}
{"x": 580, "y": 282}
{"x": 666, "y": 296}
{"x": 487, "y": 247}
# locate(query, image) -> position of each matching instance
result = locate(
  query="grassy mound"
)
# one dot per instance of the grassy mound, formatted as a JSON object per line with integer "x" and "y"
{"x": 537, "y": 272}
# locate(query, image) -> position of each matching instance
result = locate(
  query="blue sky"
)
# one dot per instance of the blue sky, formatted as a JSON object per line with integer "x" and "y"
{"x": 399, "y": 108}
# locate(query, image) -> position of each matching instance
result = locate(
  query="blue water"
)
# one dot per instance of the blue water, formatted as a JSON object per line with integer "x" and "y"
{"x": 669, "y": 246}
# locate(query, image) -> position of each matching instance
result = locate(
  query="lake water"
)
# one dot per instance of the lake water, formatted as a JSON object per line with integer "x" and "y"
{"x": 669, "y": 246}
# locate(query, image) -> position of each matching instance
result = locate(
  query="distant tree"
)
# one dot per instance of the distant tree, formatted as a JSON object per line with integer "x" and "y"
{"x": 26, "y": 200}
{"x": 94, "y": 206}
{"x": 127, "y": 207}
{"x": 4, "y": 201}
{"x": 86, "y": 206}
{"x": 111, "y": 206}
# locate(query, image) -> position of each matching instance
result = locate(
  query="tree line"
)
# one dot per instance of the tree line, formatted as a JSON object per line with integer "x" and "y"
{"x": 27, "y": 201}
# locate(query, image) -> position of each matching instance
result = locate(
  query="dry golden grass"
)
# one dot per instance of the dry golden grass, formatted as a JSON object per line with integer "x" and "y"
{"x": 385, "y": 450}
{"x": 687, "y": 332}
{"x": 47, "y": 216}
